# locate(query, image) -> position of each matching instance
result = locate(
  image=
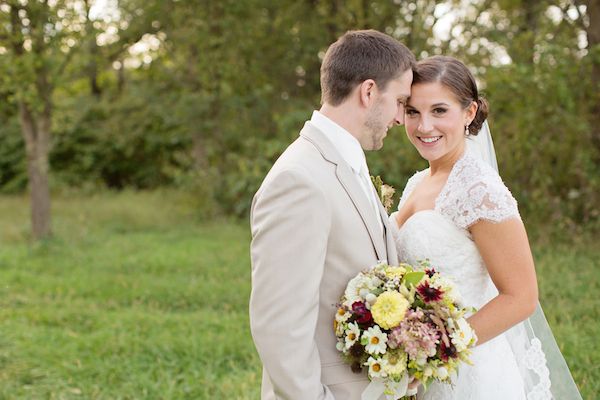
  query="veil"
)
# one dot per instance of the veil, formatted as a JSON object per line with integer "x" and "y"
{"x": 541, "y": 364}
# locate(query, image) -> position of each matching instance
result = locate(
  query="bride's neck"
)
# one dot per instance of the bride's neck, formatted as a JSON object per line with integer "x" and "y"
{"x": 444, "y": 164}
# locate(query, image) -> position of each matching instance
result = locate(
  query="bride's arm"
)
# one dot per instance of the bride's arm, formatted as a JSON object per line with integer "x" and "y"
{"x": 505, "y": 250}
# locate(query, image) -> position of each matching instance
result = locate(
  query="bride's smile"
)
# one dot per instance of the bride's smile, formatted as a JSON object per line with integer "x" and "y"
{"x": 429, "y": 139}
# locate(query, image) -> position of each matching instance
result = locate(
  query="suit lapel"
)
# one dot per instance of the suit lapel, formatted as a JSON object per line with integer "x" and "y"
{"x": 348, "y": 180}
{"x": 392, "y": 255}
{"x": 350, "y": 184}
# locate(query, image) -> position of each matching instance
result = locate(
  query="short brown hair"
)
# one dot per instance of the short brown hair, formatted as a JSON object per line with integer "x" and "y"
{"x": 454, "y": 75}
{"x": 358, "y": 56}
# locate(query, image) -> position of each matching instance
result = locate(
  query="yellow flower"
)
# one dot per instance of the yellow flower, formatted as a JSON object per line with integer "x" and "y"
{"x": 396, "y": 363}
{"x": 393, "y": 272}
{"x": 389, "y": 309}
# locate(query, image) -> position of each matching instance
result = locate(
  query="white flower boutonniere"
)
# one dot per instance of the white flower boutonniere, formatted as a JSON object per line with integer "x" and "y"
{"x": 384, "y": 191}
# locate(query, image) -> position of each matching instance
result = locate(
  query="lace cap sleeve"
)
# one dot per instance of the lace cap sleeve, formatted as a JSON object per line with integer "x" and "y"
{"x": 476, "y": 192}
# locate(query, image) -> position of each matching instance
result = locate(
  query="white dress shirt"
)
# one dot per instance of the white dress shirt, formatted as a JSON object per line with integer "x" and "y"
{"x": 351, "y": 151}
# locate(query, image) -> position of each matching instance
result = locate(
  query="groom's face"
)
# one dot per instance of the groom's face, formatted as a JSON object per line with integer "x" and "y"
{"x": 387, "y": 110}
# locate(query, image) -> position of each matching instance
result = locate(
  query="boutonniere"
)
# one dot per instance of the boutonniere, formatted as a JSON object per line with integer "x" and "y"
{"x": 384, "y": 191}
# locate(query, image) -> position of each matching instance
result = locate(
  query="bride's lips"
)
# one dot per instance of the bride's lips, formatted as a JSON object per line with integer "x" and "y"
{"x": 429, "y": 140}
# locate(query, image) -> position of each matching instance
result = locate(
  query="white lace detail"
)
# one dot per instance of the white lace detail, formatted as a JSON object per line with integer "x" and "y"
{"x": 513, "y": 365}
{"x": 474, "y": 192}
{"x": 535, "y": 360}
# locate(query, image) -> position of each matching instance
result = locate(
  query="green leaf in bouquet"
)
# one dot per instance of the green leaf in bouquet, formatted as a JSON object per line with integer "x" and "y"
{"x": 412, "y": 278}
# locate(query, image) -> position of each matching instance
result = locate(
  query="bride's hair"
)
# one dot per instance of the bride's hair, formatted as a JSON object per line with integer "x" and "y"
{"x": 453, "y": 74}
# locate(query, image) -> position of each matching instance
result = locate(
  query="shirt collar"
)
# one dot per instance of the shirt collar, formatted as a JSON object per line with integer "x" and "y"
{"x": 347, "y": 145}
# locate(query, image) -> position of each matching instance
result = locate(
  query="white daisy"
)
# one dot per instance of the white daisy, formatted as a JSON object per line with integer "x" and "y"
{"x": 342, "y": 315}
{"x": 352, "y": 334}
{"x": 376, "y": 367}
{"x": 463, "y": 335}
{"x": 376, "y": 340}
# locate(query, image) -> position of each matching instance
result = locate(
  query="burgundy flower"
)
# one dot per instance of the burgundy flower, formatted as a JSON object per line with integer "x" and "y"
{"x": 428, "y": 293}
{"x": 447, "y": 352}
{"x": 430, "y": 272}
{"x": 357, "y": 350}
{"x": 356, "y": 367}
{"x": 362, "y": 314}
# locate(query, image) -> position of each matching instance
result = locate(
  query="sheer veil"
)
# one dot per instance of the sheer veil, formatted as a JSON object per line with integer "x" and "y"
{"x": 542, "y": 366}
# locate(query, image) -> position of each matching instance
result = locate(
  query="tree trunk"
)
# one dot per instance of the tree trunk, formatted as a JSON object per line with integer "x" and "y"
{"x": 593, "y": 37}
{"x": 522, "y": 50}
{"x": 92, "y": 66}
{"x": 199, "y": 152}
{"x": 121, "y": 78}
{"x": 36, "y": 132}
{"x": 92, "y": 71}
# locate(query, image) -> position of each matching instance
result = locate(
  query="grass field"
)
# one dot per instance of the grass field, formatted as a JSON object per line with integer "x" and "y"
{"x": 137, "y": 298}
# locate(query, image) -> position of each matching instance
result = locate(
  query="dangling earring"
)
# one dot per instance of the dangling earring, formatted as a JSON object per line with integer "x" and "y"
{"x": 467, "y": 133}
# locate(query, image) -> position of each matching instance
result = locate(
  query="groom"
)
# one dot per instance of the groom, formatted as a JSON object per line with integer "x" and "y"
{"x": 316, "y": 220}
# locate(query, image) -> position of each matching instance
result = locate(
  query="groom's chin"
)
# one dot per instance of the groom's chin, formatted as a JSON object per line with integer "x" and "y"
{"x": 376, "y": 145}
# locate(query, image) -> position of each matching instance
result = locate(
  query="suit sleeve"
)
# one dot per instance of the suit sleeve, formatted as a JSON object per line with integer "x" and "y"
{"x": 290, "y": 223}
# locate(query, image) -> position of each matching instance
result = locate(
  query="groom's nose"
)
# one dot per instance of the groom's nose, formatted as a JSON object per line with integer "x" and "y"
{"x": 399, "y": 118}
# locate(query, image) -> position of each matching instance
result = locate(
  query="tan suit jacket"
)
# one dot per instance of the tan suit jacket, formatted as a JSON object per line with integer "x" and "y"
{"x": 313, "y": 229}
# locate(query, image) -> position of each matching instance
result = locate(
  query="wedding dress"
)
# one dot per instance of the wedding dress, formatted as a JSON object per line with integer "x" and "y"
{"x": 474, "y": 191}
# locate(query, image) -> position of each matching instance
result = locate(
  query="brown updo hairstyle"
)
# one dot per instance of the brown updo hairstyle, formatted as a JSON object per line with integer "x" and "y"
{"x": 454, "y": 75}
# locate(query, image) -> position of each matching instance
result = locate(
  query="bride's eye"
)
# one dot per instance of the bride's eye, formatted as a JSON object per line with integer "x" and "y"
{"x": 410, "y": 112}
{"x": 439, "y": 110}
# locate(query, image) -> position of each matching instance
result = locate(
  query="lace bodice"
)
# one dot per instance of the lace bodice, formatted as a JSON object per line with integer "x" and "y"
{"x": 473, "y": 192}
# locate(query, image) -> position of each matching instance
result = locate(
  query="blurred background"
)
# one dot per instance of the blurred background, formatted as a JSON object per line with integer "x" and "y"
{"x": 133, "y": 135}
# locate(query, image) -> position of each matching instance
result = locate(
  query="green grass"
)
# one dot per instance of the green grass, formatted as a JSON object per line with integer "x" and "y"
{"x": 137, "y": 298}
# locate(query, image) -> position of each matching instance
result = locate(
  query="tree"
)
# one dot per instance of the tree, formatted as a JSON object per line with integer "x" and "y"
{"x": 590, "y": 23}
{"x": 37, "y": 43}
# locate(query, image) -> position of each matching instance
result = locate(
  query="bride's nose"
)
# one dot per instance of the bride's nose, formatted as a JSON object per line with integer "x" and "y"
{"x": 425, "y": 125}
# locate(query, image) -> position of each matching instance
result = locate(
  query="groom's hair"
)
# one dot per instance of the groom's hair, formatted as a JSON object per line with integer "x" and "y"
{"x": 358, "y": 56}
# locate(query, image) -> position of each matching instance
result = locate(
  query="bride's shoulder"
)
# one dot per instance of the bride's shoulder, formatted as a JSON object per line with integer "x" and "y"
{"x": 471, "y": 170}
{"x": 475, "y": 192}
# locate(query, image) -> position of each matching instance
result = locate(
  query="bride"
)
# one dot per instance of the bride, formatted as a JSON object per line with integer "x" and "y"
{"x": 459, "y": 214}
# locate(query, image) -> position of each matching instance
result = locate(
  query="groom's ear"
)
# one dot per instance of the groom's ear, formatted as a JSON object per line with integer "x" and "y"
{"x": 367, "y": 91}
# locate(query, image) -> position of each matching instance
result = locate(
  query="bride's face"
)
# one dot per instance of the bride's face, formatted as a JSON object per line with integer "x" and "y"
{"x": 435, "y": 121}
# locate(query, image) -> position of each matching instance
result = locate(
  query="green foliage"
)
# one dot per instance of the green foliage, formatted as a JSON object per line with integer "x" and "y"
{"x": 230, "y": 84}
{"x": 132, "y": 141}
{"x": 13, "y": 168}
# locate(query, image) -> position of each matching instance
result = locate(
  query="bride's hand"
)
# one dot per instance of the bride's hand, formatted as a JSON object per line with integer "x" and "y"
{"x": 413, "y": 385}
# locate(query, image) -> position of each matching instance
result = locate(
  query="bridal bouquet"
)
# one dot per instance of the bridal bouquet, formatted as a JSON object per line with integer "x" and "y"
{"x": 402, "y": 323}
